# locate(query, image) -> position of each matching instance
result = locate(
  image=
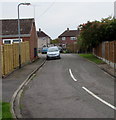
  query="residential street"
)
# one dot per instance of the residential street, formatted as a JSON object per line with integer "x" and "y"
{"x": 61, "y": 88}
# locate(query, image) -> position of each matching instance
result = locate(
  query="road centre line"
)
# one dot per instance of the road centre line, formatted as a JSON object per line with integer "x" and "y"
{"x": 101, "y": 100}
{"x": 72, "y": 75}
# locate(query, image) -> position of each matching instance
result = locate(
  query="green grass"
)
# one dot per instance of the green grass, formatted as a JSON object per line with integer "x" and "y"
{"x": 5, "y": 113}
{"x": 92, "y": 58}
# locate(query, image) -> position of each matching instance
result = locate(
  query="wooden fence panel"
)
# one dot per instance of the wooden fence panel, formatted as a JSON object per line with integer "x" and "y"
{"x": 72, "y": 47}
{"x": 10, "y": 56}
{"x": 100, "y": 50}
{"x": 111, "y": 51}
{"x": 108, "y": 49}
{"x": 16, "y": 55}
{"x": 2, "y": 65}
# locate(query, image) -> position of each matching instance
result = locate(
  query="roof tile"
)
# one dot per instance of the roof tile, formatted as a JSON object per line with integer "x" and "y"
{"x": 10, "y": 26}
{"x": 69, "y": 33}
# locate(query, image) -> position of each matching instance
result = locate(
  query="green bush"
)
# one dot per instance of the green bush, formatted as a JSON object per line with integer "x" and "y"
{"x": 93, "y": 33}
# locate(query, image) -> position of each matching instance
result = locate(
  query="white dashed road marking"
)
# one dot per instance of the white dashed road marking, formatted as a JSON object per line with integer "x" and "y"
{"x": 72, "y": 76}
{"x": 92, "y": 94}
{"x": 101, "y": 100}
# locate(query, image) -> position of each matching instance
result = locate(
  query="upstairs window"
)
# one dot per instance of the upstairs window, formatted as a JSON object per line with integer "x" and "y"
{"x": 63, "y": 38}
{"x": 73, "y": 38}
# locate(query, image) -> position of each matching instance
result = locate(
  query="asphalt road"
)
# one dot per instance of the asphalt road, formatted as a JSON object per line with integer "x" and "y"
{"x": 70, "y": 87}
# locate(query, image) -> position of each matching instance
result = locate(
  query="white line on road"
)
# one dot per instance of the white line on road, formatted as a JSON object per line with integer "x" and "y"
{"x": 72, "y": 75}
{"x": 103, "y": 101}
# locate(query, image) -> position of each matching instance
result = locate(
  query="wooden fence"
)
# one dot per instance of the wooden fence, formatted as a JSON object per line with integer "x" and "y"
{"x": 107, "y": 51}
{"x": 10, "y": 56}
{"x": 72, "y": 48}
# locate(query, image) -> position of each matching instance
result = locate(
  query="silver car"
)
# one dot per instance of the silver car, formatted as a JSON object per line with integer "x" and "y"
{"x": 53, "y": 52}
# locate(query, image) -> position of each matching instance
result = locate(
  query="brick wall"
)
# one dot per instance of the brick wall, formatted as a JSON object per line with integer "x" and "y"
{"x": 33, "y": 43}
{"x": 67, "y": 41}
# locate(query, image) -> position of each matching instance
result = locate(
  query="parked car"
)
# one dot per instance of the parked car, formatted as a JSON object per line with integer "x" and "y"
{"x": 44, "y": 50}
{"x": 53, "y": 52}
{"x": 61, "y": 49}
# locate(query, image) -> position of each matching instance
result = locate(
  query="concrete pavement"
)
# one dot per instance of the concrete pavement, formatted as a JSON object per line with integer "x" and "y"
{"x": 107, "y": 68}
{"x": 11, "y": 83}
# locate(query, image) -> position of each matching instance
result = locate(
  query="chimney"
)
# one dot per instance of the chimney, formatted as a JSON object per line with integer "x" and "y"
{"x": 78, "y": 28}
{"x": 39, "y": 29}
{"x": 67, "y": 29}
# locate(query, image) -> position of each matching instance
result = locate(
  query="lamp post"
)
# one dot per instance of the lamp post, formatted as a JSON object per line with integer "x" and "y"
{"x": 19, "y": 34}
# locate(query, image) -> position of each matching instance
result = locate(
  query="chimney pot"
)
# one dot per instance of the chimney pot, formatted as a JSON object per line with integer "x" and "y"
{"x": 67, "y": 29}
{"x": 39, "y": 29}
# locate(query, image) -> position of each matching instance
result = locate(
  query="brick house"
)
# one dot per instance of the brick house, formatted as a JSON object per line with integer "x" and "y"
{"x": 43, "y": 39}
{"x": 68, "y": 37}
{"x": 28, "y": 33}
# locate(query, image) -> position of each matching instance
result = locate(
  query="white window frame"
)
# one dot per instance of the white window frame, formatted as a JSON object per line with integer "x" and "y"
{"x": 11, "y": 40}
{"x": 7, "y": 40}
{"x": 63, "y": 38}
{"x": 73, "y": 38}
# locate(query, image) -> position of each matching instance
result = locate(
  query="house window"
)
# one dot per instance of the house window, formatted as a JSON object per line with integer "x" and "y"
{"x": 73, "y": 38}
{"x": 44, "y": 38}
{"x": 10, "y": 41}
{"x": 16, "y": 40}
{"x": 63, "y": 38}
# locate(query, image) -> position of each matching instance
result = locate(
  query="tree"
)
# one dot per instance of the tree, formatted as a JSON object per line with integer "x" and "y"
{"x": 55, "y": 41}
{"x": 93, "y": 33}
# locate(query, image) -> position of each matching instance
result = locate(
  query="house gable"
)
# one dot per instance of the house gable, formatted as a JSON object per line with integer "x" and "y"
{"x": 42, "y": 34}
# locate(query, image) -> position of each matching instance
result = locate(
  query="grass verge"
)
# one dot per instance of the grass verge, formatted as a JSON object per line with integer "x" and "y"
{"x": 5, "y": 113}
{"x": 92, "y": 58}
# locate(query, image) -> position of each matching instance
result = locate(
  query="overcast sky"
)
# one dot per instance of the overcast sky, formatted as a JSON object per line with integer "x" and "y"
{"x": 54, "y": 17}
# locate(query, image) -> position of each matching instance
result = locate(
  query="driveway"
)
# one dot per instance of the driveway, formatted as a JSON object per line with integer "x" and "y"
{"x": 70, "y": 87}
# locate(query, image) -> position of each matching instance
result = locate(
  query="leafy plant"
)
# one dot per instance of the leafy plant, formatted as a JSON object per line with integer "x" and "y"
{"x": 93, "y": 33}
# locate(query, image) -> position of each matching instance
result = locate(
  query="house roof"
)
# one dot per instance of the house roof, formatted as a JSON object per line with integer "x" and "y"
{"x": 10, "y": 26}
{"x": 42, "y": 34}
{"x": 69, "y": 33}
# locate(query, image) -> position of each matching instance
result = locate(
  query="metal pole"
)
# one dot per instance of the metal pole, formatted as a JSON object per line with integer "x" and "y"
{"x": 19, "y": 34}
{"x": 19, "y": 38}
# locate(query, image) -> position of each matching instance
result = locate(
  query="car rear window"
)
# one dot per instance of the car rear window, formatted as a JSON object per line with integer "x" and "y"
{"x": 52, "y": 49}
